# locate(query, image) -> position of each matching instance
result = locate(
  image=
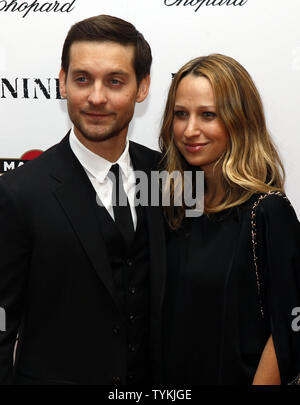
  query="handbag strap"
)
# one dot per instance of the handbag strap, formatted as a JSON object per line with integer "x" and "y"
{"x": 254, "y": 240}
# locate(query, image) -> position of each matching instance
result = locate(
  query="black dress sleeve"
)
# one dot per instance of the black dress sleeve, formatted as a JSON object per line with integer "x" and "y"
{"x": 282, "y": 282}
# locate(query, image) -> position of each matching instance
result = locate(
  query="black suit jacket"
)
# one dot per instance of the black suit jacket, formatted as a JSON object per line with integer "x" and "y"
{"x": 56, "y": 284}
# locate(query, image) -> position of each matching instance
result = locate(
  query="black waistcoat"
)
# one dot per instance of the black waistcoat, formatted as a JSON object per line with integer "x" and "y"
{"x": 130, "y": 271}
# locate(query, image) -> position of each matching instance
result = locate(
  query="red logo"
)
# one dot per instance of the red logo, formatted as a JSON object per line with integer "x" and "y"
{"x": 31, "y": 154}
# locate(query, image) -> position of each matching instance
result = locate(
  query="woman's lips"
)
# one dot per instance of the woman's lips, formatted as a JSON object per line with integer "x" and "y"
{"x": 194, "y": 147}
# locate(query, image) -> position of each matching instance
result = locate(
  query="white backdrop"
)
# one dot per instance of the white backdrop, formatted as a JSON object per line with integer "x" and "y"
{"x": 263, "y": 35}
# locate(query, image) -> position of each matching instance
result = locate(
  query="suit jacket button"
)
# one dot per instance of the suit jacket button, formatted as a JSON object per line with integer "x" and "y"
{"x": 116, "y": 330}
{"x": 131, "y": 348}
{"x": 116, "y": 380}
{"x": 128, "y": 262}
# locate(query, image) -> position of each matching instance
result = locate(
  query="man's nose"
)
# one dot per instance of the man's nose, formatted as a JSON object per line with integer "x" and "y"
{"x": 98, "y": 94}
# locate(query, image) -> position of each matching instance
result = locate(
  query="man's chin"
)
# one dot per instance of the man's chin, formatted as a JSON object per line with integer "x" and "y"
{"x": 98, "y": 136}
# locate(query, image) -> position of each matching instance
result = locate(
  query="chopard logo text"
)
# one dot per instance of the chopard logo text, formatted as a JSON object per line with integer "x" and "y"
{"x": 25, "y": 8}
{"x": 199, "y": 3}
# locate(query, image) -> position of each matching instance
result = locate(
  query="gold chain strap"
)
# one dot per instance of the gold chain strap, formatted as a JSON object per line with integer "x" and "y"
{"x": 254, "y": 239}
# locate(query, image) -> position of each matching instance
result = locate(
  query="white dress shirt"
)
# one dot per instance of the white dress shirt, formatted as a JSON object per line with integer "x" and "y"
{"x": 97, "y": 169}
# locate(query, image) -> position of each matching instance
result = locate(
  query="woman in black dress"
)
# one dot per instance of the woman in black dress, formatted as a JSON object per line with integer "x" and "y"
{"x": 233, "y": 285}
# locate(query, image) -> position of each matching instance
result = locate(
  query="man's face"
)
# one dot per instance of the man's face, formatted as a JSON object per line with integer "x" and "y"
{"x": 101, "y": 89}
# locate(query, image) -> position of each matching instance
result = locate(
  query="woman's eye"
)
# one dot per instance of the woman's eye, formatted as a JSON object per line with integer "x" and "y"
{"x": 180, "y": 114}
{"x": 209, "y": 114}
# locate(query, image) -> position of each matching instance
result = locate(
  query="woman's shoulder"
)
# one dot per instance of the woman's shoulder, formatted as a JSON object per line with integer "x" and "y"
{"x": 274, "y": 204}
{"x": 274, "y": 207}
{"x": 271, "y": 202}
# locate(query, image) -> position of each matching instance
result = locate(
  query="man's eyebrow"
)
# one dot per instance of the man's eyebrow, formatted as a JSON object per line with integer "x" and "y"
{"x": 81, "y": 71}
{"x": 112, "y": 73}
{"x": 118, "y": 72}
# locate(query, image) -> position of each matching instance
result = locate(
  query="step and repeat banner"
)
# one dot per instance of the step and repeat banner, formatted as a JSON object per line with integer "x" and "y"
{"x": 263, "y": 35}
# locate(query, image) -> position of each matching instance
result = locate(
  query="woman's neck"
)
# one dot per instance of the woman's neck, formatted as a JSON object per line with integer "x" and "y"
{"x": 214, "y": 188}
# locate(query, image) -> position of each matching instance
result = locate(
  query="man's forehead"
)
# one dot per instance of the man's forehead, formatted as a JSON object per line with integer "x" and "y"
{"x": 106, "y": 57}
{"x": 105, "y": 48}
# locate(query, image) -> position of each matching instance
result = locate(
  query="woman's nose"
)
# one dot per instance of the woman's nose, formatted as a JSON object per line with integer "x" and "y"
{"x": 193, "y": 127}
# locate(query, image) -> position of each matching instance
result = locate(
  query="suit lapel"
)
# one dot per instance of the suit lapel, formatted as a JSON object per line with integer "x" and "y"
{"x": 77, "y": 198}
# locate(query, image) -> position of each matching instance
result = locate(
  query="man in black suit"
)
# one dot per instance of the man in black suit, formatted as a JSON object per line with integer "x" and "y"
{"x": 81, "y": 286}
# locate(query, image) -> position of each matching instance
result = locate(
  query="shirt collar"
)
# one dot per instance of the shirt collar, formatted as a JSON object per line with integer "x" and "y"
{"x": 96, "y": 165}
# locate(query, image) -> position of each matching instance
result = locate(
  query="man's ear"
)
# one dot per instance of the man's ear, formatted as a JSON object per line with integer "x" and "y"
{"x": 62, "y": 83}
{"x": 143, "y": 89}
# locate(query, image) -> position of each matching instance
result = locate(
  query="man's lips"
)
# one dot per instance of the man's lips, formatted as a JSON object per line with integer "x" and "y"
{"x": 98, "y": 115}
{"x": 195, "y": 147}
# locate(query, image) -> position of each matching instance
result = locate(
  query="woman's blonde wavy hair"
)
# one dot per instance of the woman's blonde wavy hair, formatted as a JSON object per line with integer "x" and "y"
{"x": 251, "y": 163}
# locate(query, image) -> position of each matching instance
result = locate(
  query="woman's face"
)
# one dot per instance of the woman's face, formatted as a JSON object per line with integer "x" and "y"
{"x": 199, "y": 133}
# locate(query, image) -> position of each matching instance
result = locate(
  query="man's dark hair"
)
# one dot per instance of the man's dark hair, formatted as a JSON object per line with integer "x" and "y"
{"x": 104, "y": 28}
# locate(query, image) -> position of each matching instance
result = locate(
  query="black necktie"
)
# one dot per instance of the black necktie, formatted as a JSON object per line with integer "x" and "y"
{"x": 121, "y": 207}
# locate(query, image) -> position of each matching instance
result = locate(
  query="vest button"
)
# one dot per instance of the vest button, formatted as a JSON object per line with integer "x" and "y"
{"x": 132, "y": 290}
{"x": 131, "y": 348}
{"x": 128, "y": 262}
{"x": 131, "y": 318}
{"x": 116, "y": 330}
